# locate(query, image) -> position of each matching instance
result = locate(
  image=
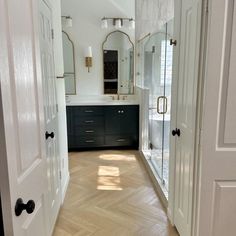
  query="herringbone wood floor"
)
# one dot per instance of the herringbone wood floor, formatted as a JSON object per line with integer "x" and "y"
{"x": 110, "y": 194}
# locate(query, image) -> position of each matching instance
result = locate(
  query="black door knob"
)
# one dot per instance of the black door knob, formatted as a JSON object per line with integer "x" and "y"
{"x": 176, "y": 132}
{"x": 20, "y": 207}
{"x": 49, "y": 135}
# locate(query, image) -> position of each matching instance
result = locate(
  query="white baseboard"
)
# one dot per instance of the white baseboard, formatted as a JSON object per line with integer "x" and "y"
{"x": 64, "y": 188}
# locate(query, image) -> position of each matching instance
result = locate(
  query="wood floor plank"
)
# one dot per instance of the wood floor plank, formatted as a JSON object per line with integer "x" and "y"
{"x": 110, "y": 194}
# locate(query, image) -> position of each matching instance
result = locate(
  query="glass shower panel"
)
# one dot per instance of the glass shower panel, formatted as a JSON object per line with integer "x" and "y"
{"x": 154, "y": 73}
{"x": 158, "y": 57}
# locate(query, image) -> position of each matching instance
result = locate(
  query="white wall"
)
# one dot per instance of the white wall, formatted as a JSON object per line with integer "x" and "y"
{"x": 86, "y": 31}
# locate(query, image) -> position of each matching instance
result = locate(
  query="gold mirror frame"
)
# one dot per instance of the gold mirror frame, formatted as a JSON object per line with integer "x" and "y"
{"x": 118, "y": 31}
{"x": 73, "y": 49}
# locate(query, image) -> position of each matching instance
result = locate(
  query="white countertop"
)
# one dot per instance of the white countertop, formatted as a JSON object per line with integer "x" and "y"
{"x": 103, "y": 103}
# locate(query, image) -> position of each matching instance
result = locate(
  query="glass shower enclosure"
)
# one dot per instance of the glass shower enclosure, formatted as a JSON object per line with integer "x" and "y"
{"x": 158, "y": 55}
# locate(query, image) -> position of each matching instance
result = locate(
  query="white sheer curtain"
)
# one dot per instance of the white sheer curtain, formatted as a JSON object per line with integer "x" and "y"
{"x": 151, "y": 15}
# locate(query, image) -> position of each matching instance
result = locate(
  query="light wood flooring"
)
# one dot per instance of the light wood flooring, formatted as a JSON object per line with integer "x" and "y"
{"x": 110, "y": 194}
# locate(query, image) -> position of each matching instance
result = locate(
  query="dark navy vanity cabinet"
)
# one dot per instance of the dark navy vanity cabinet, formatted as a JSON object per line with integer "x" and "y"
{"x": 103, "y": 126}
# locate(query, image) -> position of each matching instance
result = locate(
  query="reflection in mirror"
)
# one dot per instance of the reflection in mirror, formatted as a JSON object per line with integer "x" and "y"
{"x": 118, "y": 64}
{"x": 69, "y": 64}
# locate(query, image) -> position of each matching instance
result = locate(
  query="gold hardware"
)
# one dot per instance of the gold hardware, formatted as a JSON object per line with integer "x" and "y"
{"x": 88, "y": 62}
{"x": 158, "y": 105}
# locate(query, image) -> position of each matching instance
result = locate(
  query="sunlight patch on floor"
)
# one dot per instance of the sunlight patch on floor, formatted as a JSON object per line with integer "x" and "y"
{"x": 108, "y": 178}
{"x": 117, "y": 157}
{"x": 108, "y": 171}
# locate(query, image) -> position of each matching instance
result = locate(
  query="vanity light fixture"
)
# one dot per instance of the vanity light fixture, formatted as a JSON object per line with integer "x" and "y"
{"x": 104, "y": 24}
{"x": 68, "y": 21}
{"x": 88, "y": 57}
{"x": 117, "y": 22}
{"x": 131, "y": 23}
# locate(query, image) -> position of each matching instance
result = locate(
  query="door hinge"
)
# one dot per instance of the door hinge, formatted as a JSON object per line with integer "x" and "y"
{"x": 153, "y": 49}
{"x": 151, "y": 146}
{"x": 57, "y": 108}
{"x": 60, "y": 174}
{"x": 52, "y": 34}
{"x": 173, "y": 42}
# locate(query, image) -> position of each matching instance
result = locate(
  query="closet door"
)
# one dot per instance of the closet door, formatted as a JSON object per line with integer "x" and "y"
{"x": 217, "y": 210}
{"x": 23, "y": 173}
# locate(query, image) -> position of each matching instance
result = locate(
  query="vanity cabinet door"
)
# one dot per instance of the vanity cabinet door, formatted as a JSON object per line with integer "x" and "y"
{"x": 121, "y": 126}
{"x": 112, "y": 119}
{"x": 129, "y": 119}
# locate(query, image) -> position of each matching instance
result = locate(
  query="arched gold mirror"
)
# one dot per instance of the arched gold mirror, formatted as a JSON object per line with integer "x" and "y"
{"x": 69, "y": 64}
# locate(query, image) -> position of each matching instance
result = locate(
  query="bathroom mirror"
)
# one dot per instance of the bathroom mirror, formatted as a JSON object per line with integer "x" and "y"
{"x": 118, "y": 63}
{"x": 69, "y": 64}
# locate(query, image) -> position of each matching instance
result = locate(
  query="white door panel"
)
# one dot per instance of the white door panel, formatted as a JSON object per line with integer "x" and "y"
{"x": 217, "y": 209}
{"x": 50, "y": 104}
{"x": 22, "y": 112}
{"x": 186, "y": 112}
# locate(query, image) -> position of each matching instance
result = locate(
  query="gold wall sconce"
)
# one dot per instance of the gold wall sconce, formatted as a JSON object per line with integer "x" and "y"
{"x": 88, "y": 57}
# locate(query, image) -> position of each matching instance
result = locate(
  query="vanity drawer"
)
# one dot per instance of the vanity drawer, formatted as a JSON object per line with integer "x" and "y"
{"x": 120, "y": 140}
{"x": 89, "y": 111}
{"x": 87, "y": 141}
{"x": 92, "y": 130}
{"x": 89, "y": 120}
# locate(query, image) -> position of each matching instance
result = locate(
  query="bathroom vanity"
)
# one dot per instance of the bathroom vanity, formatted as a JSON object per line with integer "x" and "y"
{"x": 102, "y": 126}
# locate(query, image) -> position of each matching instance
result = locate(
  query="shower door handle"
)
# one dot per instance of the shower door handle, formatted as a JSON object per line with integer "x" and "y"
{"x": 164, "y": 105}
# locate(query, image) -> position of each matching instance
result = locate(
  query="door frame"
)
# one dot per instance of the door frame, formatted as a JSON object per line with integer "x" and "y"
{"x": 173, "y": 120}
{"x": 200, "y": 105}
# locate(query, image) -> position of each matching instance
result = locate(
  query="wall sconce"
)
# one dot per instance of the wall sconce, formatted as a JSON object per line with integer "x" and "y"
{"x": 68, "y": 21}
{"x": 88, "y": 57}
{"x": 117, "y": 22}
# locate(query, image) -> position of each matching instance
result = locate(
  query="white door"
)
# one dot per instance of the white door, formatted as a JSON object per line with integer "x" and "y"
{"x": 50, "y": 110}
{"x": 23, "y": 159}
{"x": 186, "y": 112}
{"x": 217, "y": 212}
